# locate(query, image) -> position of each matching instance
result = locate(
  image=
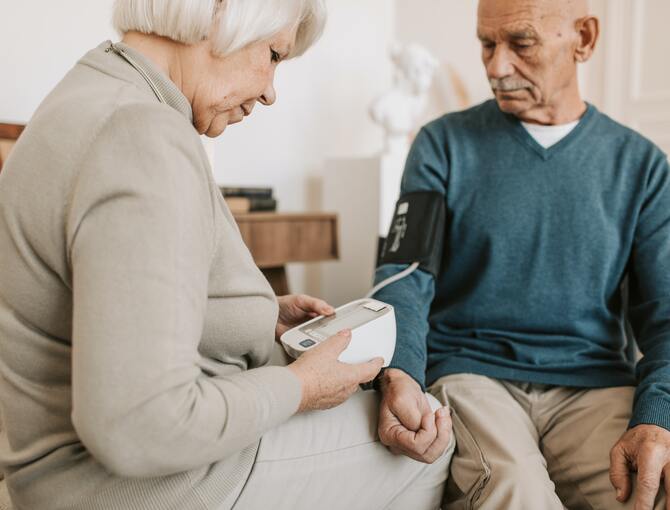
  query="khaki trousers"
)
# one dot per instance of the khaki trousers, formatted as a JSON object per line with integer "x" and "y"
{"x": 527, "y": 446}
{"x": 332, "y": 460}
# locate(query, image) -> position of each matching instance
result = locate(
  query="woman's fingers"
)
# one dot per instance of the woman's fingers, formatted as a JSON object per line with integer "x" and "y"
{"x": 327, "y": 382}
{"x": 311, "y": 304}
{"x": 363, "y": 372}
{"x": 336, "y": 344}
{"x": 366, "y": 372}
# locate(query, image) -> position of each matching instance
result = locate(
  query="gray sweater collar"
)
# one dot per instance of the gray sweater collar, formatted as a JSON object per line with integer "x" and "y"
{"x": 165, "y": 89}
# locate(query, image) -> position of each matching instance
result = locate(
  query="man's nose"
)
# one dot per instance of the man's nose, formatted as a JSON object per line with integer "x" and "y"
{"x": 500, "y": 66}
{"x": 269, "y": 96}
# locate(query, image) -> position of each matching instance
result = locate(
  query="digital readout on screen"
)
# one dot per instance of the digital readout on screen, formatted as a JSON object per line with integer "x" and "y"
{"x": 347, "y": 318}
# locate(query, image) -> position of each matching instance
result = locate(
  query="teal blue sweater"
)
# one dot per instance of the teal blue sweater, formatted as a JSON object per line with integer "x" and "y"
{"x": 538, "y": 242}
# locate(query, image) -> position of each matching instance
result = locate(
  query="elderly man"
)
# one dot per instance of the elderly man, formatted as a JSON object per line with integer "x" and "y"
{"x": 550, "y": 206}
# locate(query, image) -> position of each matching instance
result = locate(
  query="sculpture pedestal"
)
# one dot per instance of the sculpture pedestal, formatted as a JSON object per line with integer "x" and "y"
{"x": 391, "y": 167}
{"x": 363, "y": 193}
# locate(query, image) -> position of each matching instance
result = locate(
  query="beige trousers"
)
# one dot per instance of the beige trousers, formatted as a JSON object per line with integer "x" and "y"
{"x": 332, "y": 460}
{"x": 526, "y": 446}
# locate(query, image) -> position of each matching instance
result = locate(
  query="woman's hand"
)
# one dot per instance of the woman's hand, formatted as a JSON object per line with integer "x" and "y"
{"x": 294, "y": 310}
{"x": 326, "y": 382}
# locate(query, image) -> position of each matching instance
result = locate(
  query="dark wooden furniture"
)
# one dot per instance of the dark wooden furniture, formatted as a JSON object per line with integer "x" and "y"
{"x": 276, "y": 239}
{"x": 9, "y": 133}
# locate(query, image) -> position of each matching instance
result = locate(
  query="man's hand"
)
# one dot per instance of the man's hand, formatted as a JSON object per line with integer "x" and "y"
{"x": 645, "y": 449}
{"x": 294, "y": 310}
{"x": 407, "y": 424}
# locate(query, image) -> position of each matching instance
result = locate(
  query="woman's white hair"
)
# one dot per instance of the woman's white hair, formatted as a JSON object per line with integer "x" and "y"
{"x": 229, "y": 24}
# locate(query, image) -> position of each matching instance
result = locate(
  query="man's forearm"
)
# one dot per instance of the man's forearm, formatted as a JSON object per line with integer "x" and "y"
{"x": 411, "y": 297}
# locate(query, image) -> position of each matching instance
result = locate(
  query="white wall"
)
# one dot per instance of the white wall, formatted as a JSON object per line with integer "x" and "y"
{"x": 39, "y": 43}
{"x": 630, "y": 81}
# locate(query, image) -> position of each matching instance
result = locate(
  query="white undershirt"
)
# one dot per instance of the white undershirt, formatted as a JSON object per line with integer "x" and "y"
{"x": 547, "y": 136}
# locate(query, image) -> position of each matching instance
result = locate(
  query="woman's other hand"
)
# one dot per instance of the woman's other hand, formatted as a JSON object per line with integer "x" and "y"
{"x": 326, "y": 382}
{"x": 294, "y": 310}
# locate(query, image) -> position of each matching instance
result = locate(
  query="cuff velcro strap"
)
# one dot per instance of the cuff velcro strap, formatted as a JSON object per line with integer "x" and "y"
{"x": 417, "y": 231}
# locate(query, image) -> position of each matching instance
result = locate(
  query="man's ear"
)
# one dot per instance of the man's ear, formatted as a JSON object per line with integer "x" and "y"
{"x": 588, "y": 30}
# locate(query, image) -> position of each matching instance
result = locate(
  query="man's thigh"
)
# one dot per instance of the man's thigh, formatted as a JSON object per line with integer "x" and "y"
{"x": 577, "y": 437}
{"x": 333, "y": 459}
{"x": 497, "y": 463}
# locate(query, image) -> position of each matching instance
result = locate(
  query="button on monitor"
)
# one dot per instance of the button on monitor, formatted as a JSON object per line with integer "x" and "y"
{"x": 307, "y": 343}
{"x": 375, "y": 307}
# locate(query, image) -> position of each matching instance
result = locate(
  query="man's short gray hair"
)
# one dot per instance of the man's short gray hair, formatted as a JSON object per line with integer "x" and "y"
{"x": 229, "y": 24}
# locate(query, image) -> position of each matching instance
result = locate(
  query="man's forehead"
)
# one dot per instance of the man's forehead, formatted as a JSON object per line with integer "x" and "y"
{"x": 520, "y": 18}
{"x": 530, "y": 11}
{"x": 511, "y": 9}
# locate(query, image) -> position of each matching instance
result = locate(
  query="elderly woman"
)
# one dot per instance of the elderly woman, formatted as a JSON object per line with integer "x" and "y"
{"x": 135, "y": 329}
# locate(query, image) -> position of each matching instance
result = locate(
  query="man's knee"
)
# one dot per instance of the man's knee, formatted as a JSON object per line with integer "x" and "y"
{"x": 507, "y": 485}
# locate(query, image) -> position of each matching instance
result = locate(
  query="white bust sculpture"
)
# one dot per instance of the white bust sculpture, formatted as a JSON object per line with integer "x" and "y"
{"x": 397, "y": 111}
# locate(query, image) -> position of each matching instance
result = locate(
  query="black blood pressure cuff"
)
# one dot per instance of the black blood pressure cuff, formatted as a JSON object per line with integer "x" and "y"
{"x": 417, "y": 232}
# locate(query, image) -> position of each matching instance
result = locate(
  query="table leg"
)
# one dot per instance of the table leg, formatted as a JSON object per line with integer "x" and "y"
{"x": 277, "y": 278}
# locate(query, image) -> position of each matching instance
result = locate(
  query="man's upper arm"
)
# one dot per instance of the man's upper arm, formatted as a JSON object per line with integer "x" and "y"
{"x": 426, "y": 170}
{"x": 650, "y": 298}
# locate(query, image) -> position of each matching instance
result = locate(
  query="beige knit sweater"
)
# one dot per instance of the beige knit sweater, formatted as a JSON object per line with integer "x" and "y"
{"x": 134, "y": 325}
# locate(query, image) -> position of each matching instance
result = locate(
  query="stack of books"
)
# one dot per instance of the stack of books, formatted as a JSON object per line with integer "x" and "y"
{"x": 242, "y": 200}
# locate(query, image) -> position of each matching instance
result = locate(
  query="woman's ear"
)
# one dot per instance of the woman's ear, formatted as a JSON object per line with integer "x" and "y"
{"x": 588, "y": 31}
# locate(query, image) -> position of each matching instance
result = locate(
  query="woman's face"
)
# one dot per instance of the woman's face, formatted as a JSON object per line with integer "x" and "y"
{"x": 224, "y": 90}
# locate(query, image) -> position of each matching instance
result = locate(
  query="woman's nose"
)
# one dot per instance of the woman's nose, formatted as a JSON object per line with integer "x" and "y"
{"x": 269, "y": 96}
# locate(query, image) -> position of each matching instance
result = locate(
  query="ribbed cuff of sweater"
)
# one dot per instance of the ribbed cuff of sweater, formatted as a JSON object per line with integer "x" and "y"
{"x": 651, "y": 412}
{"x": 418, "y": 374}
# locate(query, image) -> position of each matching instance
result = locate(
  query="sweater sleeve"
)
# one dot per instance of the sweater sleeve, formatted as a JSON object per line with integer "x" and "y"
{"x": 140, "y": 246}
{"x": 650, "y": 299}
{"x": 426, "y": 170}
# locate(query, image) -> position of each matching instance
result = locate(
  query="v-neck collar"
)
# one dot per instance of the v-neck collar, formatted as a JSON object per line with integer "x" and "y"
{"x": 527, "y": 140}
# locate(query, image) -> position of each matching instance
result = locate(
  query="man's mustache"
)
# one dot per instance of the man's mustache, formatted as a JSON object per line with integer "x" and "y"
{"x": 509, "y": 84}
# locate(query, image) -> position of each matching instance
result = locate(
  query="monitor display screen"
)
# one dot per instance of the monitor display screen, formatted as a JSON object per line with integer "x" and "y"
{"x": 347, "y": 318}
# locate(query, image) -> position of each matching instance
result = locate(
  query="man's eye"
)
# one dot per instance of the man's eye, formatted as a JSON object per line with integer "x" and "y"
{"x": 276, "y": 57}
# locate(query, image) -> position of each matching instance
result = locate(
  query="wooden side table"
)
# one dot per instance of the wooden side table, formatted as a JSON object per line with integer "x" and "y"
{"x": 275, "y": 239}
{"x": 9, "y": 133}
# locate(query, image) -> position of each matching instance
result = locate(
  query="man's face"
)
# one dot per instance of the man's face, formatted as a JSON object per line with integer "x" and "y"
{"x": 528, "y": 49}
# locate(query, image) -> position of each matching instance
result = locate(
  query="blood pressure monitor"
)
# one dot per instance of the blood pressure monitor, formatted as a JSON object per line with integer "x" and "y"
{"x": 416, "y": 238}
{"x": 372, "y": 325}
